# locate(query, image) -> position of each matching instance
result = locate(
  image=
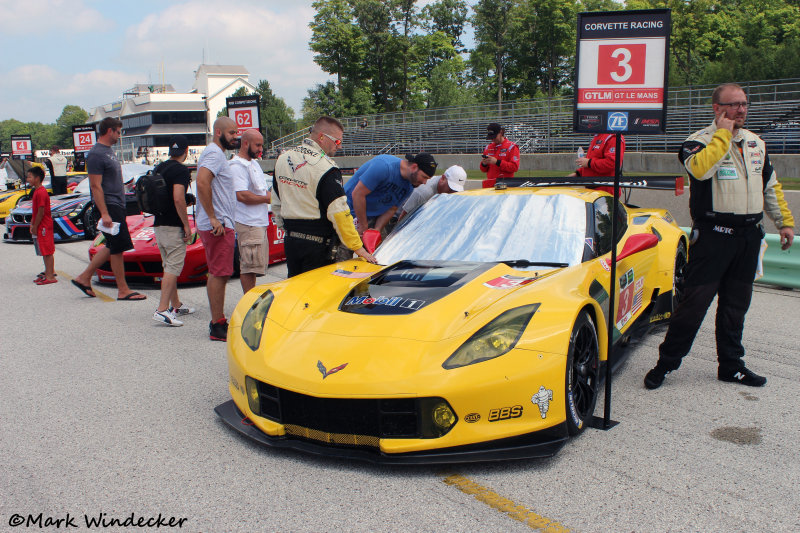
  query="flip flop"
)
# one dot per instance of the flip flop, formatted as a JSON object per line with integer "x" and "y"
{"x": 87, "y": 289}
{"x": 42, "y": 275}
{"x": 133, "y": 297}
{"x": 45, "y": 281}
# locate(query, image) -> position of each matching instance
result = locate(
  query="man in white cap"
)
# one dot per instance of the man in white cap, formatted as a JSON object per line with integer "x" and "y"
{"x": 451, "y": 181}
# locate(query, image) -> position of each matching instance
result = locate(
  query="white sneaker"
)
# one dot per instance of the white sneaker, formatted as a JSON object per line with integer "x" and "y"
{"x": 166, "y": 317}
{"x": 182, "y": 310}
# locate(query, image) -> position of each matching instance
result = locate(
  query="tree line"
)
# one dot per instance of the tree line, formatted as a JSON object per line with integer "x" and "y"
{"x": 393, "y": 55}
{"x": 44, "y": 136}
{"x": 390, "y": 55}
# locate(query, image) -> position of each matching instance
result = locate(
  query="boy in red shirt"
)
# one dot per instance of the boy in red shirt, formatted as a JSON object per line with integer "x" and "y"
{"x": 42, "y": 226}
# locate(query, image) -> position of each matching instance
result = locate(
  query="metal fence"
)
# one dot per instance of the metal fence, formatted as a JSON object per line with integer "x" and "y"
{"x": 544, "y": 125}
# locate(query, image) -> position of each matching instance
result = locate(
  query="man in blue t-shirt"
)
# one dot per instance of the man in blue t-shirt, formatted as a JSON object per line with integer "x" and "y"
{"x": 382, "y": 184}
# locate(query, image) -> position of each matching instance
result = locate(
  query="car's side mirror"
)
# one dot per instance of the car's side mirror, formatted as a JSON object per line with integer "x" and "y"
{"x": 637, "y": 243}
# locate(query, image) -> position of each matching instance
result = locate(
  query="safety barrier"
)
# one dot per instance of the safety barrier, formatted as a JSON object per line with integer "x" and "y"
{"x": 781, "y": 267}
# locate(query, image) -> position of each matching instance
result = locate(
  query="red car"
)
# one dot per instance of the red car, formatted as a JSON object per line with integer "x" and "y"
{"x": 143, "y": 263}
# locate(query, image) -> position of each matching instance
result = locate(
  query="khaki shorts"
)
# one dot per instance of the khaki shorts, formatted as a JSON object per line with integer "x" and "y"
{"x": 172, "y": 248}
{"x": 253, "y": 249}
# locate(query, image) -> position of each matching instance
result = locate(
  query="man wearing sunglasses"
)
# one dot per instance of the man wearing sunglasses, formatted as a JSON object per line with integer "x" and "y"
{"x": 309, "y": 202}
{"x": 732, "y": 185}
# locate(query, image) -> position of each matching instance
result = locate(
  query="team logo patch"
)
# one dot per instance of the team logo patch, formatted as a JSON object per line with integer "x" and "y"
{"x": 325, "y": 373}
{"x": 347, "y": 274}
{"x": 542, "y": 400}
{"x": 508, "y": 282}
{"x": 472, "y": 418}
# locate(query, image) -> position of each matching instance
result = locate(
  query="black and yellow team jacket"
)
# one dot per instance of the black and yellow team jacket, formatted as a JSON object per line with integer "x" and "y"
{"x": 732, "y": 179}
{"x": 309, "y": 197}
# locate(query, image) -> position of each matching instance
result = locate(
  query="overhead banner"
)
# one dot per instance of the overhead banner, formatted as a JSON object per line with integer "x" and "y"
{"x": 244, "y": 111}
{"x": 622, "y": 71}
{"x": 83, "y": 138}
{"x": 21, "y": 147}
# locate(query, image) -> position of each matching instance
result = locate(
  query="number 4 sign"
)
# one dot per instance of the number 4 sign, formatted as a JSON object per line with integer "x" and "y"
{"x": 21, "y": 147}
{"x": 622, "y": 72}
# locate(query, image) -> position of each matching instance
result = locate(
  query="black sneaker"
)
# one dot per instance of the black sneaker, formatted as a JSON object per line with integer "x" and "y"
{"x": 743, "y": 376}
{"x": 654, "y": 378}
{"x": 218, "y": 331}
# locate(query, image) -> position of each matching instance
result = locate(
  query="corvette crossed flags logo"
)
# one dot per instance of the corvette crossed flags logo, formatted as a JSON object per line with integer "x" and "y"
{"x": 325, "y": 373}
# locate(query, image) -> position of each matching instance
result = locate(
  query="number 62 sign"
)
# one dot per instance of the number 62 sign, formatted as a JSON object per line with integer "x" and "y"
{"x": 244, "y": 112}
{"x": 622, "y": 71}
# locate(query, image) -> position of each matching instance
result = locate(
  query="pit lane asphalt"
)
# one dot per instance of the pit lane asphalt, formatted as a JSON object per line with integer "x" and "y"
{"x": 104, "y": 410}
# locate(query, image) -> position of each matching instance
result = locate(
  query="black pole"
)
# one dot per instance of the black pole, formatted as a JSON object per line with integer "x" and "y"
{"x": 612, "y": 287}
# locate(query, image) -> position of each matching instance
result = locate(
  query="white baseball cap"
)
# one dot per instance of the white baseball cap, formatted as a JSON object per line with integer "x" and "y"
{"x": 456, "y": 178}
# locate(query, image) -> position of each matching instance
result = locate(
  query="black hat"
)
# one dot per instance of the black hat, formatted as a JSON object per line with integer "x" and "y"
{"x": 177, "y": 145}
{"x": 492, "y": 130}
{"x": 425, "y": 162}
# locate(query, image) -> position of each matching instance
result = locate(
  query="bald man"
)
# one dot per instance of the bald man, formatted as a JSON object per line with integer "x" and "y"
{"x": 252, "y": 209}
{"x": 215, "y": 220}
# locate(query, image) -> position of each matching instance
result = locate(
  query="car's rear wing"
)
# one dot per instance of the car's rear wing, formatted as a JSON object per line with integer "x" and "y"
{"x": 663, "y": 183}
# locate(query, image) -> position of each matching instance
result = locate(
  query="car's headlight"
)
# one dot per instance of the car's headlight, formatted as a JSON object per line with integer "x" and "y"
{"x": 62, "y": 213}
{"x": 253, "y": 323}
{"x": 494, "y": 339}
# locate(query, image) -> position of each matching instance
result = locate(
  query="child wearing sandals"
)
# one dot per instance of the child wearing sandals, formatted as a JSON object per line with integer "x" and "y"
{"x": 42, "y": 226}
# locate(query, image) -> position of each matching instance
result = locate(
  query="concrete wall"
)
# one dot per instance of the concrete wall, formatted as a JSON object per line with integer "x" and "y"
{"x": 785, "y": 165}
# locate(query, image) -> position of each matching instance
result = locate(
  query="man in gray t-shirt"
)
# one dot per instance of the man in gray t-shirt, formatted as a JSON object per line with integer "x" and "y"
{"x": 215, "y": 220}
{"x": 108, "y": 196}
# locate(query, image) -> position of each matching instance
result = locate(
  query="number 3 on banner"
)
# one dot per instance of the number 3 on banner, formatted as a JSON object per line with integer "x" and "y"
{"x": 621, "y": 64}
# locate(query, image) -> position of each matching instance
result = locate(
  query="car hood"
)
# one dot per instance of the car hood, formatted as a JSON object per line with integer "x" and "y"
{"x": 405, "y": 299}
{"x": 390, "y": 327}
{"x": 143, "y": 232}
{"x": 57, "y": 203}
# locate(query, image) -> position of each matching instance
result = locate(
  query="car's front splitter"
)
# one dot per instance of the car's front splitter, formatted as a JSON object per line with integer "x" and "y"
{"x": 544, "y": 443}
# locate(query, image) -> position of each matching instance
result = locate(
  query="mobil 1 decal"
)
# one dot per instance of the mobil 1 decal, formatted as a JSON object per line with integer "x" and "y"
{"x": 621, "y": 72}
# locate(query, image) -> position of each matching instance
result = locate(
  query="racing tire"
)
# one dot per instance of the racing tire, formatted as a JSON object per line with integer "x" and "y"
{"x": 89, "y": 224}
{"x": 679, "y": 274}
{"x": 583, "y": 374}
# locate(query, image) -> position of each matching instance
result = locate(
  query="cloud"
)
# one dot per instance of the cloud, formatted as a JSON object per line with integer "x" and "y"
{"x": 41, "y": 91}
{"x": 269, "y": 38}
{"x": 22, "y": 16}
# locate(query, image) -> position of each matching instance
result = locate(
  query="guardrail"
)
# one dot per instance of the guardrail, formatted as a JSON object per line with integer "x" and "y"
{"x": 781, "y": 267}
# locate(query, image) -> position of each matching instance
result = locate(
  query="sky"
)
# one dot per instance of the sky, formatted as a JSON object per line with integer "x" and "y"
{"x": 87, "y": 52}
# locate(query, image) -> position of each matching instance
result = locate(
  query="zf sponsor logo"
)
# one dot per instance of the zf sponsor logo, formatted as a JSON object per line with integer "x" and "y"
{"x": 618, "y": 121}
{"x": 505, "y": 413}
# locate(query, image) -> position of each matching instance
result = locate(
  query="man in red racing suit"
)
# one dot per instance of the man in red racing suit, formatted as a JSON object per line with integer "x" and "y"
{"x": 599, "y": 160}
{"x": 500, "y": 157}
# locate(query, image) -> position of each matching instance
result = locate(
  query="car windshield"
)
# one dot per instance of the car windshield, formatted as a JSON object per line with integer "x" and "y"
{"x": 82, "y": 187}
{"x": 528, "y": 228}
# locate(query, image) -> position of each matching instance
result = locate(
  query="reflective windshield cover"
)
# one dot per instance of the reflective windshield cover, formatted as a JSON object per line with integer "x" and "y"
{"x": 490, "y": 228}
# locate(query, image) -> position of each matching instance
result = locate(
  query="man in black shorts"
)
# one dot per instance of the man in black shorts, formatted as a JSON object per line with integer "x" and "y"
{"x": 108, "y": 195}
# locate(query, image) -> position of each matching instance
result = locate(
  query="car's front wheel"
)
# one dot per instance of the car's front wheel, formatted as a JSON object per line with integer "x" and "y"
{"x": 583, "y": 374}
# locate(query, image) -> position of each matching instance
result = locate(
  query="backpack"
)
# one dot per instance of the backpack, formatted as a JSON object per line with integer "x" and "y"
{"x": 152, "y": 193}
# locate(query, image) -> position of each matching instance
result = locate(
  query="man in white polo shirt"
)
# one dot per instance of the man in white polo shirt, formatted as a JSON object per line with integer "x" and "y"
{"x": 252, "y": 209}
{"x": 451, "y": 181}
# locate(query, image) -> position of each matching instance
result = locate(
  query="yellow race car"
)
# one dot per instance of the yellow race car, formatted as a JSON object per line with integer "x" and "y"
{"x": 10, "y": 198}
{"x": 481, "y": 335}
